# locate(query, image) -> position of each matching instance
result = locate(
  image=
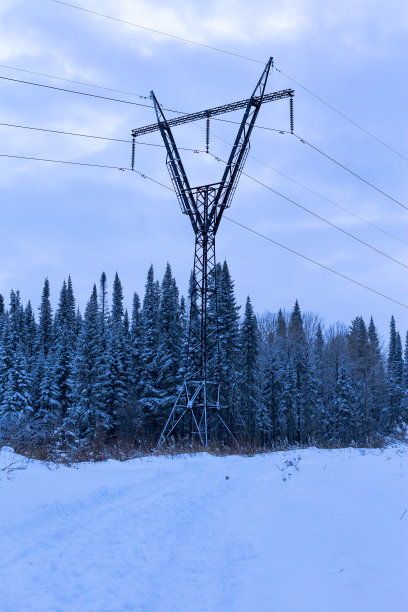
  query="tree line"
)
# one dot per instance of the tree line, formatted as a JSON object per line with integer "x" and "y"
{"x": 67, "y": 379}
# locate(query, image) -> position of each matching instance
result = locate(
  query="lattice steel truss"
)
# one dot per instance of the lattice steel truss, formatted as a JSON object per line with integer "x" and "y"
{"x": 199, "y": 396}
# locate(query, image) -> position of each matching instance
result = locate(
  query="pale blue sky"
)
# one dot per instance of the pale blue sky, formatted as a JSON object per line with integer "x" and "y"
{"x": 60, "y": 220}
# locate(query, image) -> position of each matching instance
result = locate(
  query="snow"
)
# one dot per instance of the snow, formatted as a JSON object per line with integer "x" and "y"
{"x": 297, "y": 531}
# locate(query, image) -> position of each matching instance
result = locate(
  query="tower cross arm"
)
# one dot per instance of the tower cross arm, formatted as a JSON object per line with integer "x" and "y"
{"x": 218, "y": 110}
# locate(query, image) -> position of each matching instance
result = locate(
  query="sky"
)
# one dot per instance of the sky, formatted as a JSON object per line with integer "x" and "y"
{"x": 59, "y": 219}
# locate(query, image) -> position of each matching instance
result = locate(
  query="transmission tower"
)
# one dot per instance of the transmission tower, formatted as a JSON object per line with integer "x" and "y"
{"x": 199, "y": 397}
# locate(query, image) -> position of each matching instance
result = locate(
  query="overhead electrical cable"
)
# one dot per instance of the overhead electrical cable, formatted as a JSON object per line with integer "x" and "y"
{"x": 145, "y": 176}
{"x": 303, "y": 141}
{"x": 51, "y": 76}
{"x": 317, "y": 263}
{"x": 244, "y": 57}
{"x": 337, "y": 227}
{"x": 218, "y": 159}
{"x": 136, "y": 25}
{"x": 139, "y": 142}
{"x": 89, "y": 165}
{"x": 357, "y": 125}
{"x": 27, "y": 127}
{"x": 81, "y": 93}
{"x": 289, "y": 178}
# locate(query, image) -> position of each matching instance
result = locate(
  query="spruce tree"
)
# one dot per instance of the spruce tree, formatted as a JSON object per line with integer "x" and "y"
{"x": 249, "y": 389}
{"x": 45, "y": 327}
{"x": 229, "y": 339}
{"x": 344, "y": 409}
{"x": 87, "y": 416}
{"x": 169, "y": 345}
{"x": 297, "y": 355}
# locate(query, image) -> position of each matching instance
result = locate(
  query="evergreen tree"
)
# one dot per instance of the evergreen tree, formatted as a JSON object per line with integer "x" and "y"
{"x": 48, "y": 412}
{"x": 29, "y": 335}
{"x": 149, "y": 396}
{"x": 117, "y": 302}
{"x": 114, "y": 369}
{"x": 249, "y": 390}
{"x": 169, "y": 345}
{"x": 87, "y": 416}
{"x": 45, "y": 331}
{"x": 16, "y": 400}
{"x": 344, "y": 409}
{"x": 229, "y": 338}
{"x": 103, "y": 297}
{"x": 65, "y": 342}
{"x": 395, "y": 376}
{"x": 297, "y": 355}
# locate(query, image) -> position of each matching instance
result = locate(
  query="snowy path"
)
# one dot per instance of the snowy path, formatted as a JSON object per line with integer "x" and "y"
{"x": 164, "y": 534}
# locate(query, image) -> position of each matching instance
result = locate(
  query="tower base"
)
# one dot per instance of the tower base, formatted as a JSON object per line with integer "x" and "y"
{"x": 199, "y": 400}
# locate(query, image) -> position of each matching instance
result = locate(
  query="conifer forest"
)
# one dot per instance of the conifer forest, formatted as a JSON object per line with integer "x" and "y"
{"x": 68, "y": 379}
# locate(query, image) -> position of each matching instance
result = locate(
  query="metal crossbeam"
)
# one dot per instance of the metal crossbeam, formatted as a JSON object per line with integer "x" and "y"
{"x": 218, "y": 110}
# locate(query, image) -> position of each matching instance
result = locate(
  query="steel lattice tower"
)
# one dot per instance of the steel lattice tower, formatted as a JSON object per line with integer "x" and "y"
{"x": 199, "y": 396}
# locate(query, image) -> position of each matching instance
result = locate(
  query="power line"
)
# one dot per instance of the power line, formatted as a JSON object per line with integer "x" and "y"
{"x": 223, "y": 120}
{"x": 303, "y": 141}
{"x": 360, "y": 127}
{"x": 145, "y": 176}
{"x": 245, "y": 57}
{"x": 136, "y": 25}
{"x": 50, "y": 76}
{"x": 350, "y": 212}
{"x": 26, "y": 127}
{"x": 317, "y": 263}
{"x": 81, "y": 93}
{"x": 337, "y": 227}
{"x": 138, "y": 142}
{"x": 89, "y": 165}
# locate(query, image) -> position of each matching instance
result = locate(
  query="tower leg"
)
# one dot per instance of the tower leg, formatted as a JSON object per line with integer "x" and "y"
{"x": 199, "y": 396}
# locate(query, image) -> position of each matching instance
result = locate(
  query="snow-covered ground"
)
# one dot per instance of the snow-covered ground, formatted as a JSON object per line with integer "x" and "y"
{"x": 325, "y": 534}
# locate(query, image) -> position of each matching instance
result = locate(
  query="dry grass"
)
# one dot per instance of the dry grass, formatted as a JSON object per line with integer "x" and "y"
{"x": 124, "y": 449}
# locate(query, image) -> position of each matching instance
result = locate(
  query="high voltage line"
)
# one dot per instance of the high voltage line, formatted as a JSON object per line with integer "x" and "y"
{"x": 50, "y": 76}
{"x": 38, "y": 129}
{"x": 350, "y": 212}
{"x": 145, "y": 176}
{"x": 244, "y": 57}
{"x": 81, "y": 93}
{"x": 127, "y": 141}
{"x": 245, "y": 174}
{"x": 337, "y": 227}
{"x": 302, "y": 140}
{"x": 316, "y": 262}
{"x": 222, "y": 120}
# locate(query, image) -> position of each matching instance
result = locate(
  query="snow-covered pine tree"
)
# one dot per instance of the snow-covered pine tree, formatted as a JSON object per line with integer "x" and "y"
{"x": 87, "y": 416}
{"x": 344, "y": 409}
{"x": 249, "y": 385}
{"x": 115, "y": 384}
{"x": 169, "y": 346}
{"x": 376, "y": 381}
{"x": 45, "y": 324}
{"x": 149, "y": 396}
{"x": 65, "y": 343}
{"x": 395, "y": 375}
{"x": 16, "y": 408}
{"x": 297, "y": 355}
{"x": 229, "y": 341}
{"x": 357, "y": 345}
{"x": 103, "y": 292}
{"x": 48, "y": 410}
{"x": 29, "y": 335}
